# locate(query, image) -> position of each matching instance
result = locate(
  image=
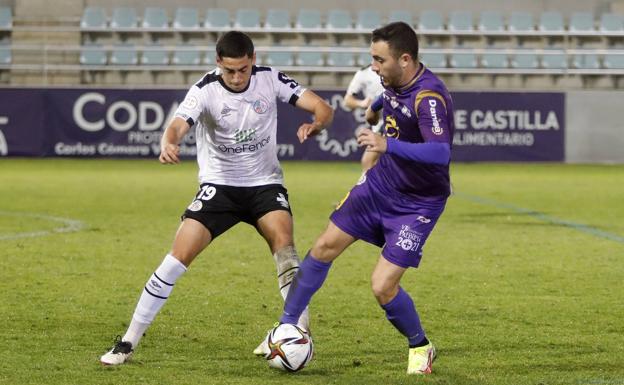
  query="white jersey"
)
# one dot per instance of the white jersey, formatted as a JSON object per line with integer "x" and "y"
{"x": 236, "y": 131}
{"x": 368, "y": 83}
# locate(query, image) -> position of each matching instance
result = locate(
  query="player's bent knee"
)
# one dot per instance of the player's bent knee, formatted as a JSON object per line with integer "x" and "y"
{"x": 383, "y": 290}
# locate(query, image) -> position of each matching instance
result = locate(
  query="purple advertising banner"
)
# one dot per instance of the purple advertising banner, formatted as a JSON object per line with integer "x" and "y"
{"x": 129, "y": 123}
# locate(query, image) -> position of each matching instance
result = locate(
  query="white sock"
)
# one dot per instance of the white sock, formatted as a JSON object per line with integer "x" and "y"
{"x": 287, "y": 263}
{"x": 155, "y": 293}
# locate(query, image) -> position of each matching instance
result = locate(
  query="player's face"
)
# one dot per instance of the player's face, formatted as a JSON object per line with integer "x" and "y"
{"x": 385, "y": 64}
{"x": 236, "y": 72}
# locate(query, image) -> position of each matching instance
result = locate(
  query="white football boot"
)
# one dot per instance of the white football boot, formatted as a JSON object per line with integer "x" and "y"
{"x": 120, "y": 353}
{"x": 420, "y": 359}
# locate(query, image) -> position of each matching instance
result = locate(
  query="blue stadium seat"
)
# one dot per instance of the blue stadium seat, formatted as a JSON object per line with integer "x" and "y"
{"x": 463, "y": 60}
{"x": 460, "y": 21}
{"x": 614, "y": 61}
{"x": 187, "y": 57}
{"x": 308, "y": 18}
{"x": 5, "y": 54}
{"x": 368, "y": 19}
{"x": 611, "y": 22}
{"x": 277, "y": 18}
{"x": 494, "y": 60}
{"x": 433, "y": 60}
{"x": 279, "y": 59}
{"x": 155, "y": 18}
{"x": 155, "y": 56}
{"x": 247, "y": 18}
{"x": 491, "y": 21}
{"x": 186, "y": 18}
{"x": 217, "y": 18}
{"x": 339, "y": 19}
{"x": 551, "y": 21}
{"x": 401, "y": 15}
{"x": 431, "y": 21}
{"x": 555, "y": 61}
{"x": 582, "y": 22}
{"x": 124, "y": 18}
{"x": 521, "y": 22}
{"x": 124, "y": 54}
{"x": 525, "y": 61}
{"x": 6, "y": 18}
{"x": 364, "y": 59}
{"x": 314, "y": 59}
{"x": 340, "y": 59}
{"x": 93, "y": 18}
{"x": 589, "y": 61}
{"x": 93, "y": 55}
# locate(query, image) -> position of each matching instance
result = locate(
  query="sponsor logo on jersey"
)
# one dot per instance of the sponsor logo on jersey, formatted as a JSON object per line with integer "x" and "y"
{"x": 260, "y": 106}
{"x": 405, "y": 111}
{"x": 244, "y": 147}
{"x": 196, "y": 205}
{"x": 282, "y": 200}
{"x": 436, "y": 129}
{"x": 394, "y": 103}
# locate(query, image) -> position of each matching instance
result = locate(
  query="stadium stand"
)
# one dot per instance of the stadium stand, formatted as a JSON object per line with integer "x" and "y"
{"x": 247, "y": 19}
{"x": 367, "y": 20}
{"x": 155, "y": 18}
{"x": 179, "y": 39}
{"x": 186, "y": 19}
{"x": 217, "y": 19}
{"x": 124, "y": 18}
{"x": 430, "y": 21}
{"x": 401, "y": 15}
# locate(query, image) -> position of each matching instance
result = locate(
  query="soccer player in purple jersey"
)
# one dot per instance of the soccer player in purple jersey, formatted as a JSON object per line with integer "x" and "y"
{"x": 396, "y": 204}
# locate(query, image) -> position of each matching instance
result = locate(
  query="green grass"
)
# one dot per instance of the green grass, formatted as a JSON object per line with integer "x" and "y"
{"x": 509, "y": 293}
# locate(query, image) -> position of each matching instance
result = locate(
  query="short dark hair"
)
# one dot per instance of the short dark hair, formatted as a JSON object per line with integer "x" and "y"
{"x": 234, "y": 44}
{"x": 400, "y": 37}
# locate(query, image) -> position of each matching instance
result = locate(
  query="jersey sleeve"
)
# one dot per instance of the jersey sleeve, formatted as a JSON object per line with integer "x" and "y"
{"x": 286, "y": 89}
{"x": 190, "y": 108}
{"x": 356, "y": 85}
{"x": 433, "y": 117}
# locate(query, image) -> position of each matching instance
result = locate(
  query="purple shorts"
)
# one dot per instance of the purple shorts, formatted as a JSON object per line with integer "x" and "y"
{"x": 399, "y": 224}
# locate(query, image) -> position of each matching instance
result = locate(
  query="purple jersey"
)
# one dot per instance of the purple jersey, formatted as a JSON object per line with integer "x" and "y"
{"x": 420, "y": 112}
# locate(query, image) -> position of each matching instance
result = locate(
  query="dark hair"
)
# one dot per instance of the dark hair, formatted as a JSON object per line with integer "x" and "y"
{"x": 400, "y": 37}
{"x": 234, "y": 44}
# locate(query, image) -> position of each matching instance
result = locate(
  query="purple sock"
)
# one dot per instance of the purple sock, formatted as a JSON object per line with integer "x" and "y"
{"x": 402, "y": 314}
{"x": 309, "y": 279}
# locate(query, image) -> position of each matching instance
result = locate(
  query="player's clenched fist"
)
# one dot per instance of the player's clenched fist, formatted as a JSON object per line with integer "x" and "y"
{"x": 169, "y": 153}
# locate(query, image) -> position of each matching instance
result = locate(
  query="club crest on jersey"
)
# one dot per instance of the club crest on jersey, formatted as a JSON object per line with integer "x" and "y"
{"x": 196, "y": 205}
{"x": 260, "y": 106}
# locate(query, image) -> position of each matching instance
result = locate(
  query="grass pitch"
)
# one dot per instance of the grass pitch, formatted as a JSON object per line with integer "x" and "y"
{"x": 520, "y": 283}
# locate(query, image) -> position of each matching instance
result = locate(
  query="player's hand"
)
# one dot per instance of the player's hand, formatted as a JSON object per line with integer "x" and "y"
{"x": 373, "y": 142}
{"x": 364, "y": 103}
{"x": 169, "y": 154}
{"x": 308, "y": 129}
{"x": 372, "y": 117}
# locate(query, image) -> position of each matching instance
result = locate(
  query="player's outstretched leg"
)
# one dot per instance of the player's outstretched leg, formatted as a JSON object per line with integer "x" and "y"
{"x": 287, "y": 263}
{"x": 154, "y": 296}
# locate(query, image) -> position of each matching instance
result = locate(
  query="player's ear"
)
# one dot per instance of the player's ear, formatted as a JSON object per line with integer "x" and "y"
{"x": 404, "y": 60}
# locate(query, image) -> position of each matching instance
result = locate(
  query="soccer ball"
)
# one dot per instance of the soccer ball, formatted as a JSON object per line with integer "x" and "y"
{"x": 291, "y": 348}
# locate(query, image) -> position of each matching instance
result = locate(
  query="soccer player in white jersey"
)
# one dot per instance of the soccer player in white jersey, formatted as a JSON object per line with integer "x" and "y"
{"x": 367, "y": 83}
{"x": 234, "y": 112}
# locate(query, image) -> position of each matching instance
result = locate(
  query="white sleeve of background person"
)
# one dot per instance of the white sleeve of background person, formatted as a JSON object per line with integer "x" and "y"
{"x": 356, "y": 85}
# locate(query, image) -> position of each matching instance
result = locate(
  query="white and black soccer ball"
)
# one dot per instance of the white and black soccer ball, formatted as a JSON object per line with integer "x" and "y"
{"x": 291, "y": 348}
